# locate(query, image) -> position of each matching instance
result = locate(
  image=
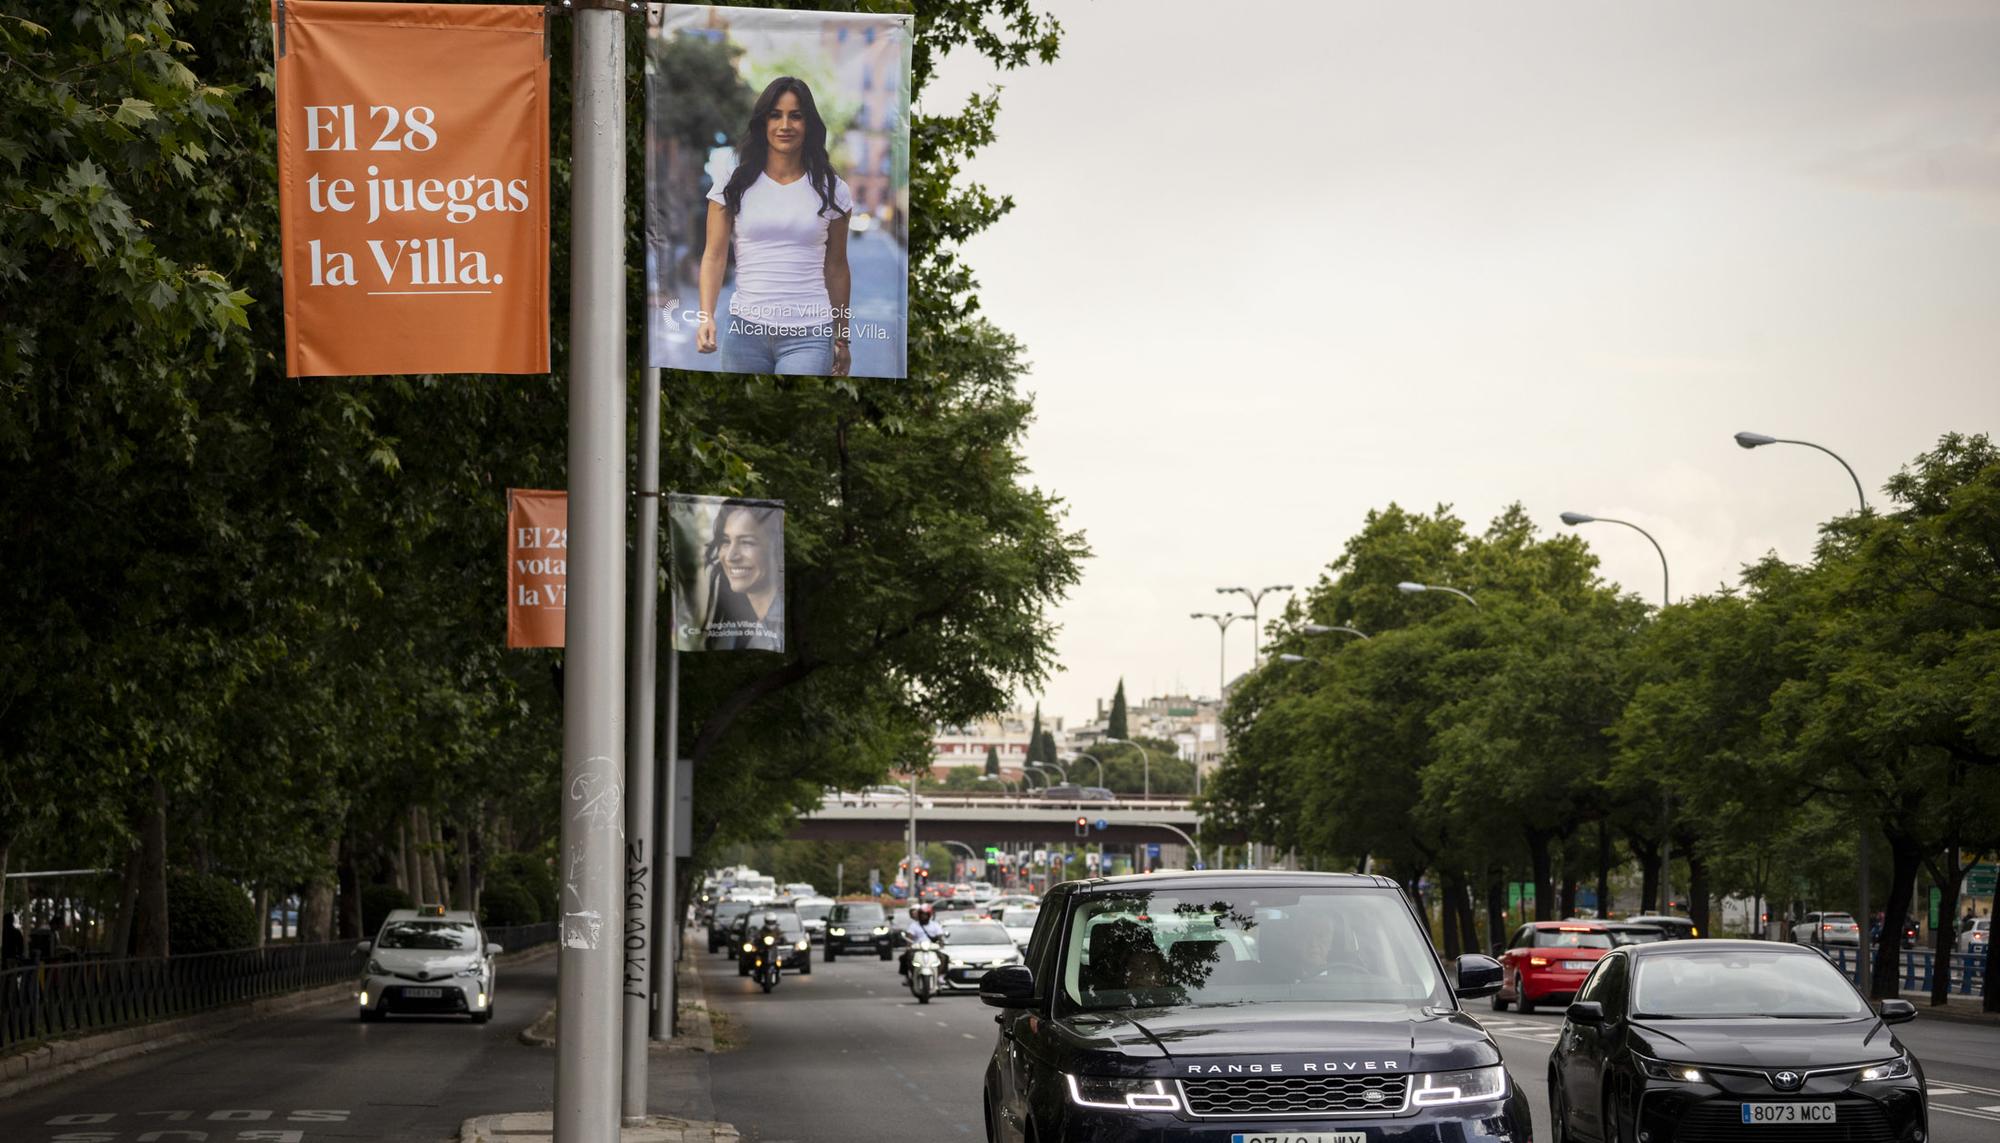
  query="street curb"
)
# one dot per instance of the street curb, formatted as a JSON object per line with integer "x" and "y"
{"x": 56, "y": 1060}
{"x": 697, "y": 1028}
{"x": 539, "y": 1127}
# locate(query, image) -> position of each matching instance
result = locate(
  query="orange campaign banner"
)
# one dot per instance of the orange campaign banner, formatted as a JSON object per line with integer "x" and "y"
{"x": 537, "y": 567}
{"x": 413, "y": 175}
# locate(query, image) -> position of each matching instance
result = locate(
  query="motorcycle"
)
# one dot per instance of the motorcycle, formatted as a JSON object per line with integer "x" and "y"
{"x": 926, "y": 967}
{"x": 769, "y": 966}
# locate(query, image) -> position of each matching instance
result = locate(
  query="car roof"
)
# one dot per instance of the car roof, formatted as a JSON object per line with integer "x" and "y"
{"x": 1632, "y": 926}
{"x": 1208, "y": 878}
{"x": 1693, "y": 948}
{"x": 1577, "y": 926}
{"x": 460, "y": 915}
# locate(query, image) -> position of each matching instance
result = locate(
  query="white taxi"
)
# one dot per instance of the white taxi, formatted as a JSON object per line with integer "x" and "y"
{"x": 428, "y": 961}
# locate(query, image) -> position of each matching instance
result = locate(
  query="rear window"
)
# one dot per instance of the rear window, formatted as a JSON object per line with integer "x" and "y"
{"x": 1571, "y": 939}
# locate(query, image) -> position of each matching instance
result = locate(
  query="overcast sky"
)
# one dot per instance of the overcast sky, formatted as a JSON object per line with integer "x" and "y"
{"x": 1277, "y": 264}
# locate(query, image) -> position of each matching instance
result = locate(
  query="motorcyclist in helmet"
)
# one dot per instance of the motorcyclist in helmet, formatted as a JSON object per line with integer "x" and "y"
{"x": 920, "y": 928}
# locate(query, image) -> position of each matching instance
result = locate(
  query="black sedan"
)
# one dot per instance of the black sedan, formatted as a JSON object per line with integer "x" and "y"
{"x": 1691, "y": 1041}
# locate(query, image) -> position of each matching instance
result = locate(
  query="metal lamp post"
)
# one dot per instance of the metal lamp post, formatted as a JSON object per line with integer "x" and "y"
{"x": 1325, "y": 629}
{"x": 1057, "y": 766}
{"x": 1416, "y": 588}
{"x": 1759, "y": 440}
{"x": 1222, "y": 623}
{"x": 1575, "y": 519}
{"x": 1094, "y": 760}
{"x": 1145, "y": 762}
{"x": 1254, "y": 597}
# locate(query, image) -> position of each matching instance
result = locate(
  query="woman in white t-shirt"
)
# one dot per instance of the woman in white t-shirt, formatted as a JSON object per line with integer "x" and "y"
{"x": 785, "y": 212}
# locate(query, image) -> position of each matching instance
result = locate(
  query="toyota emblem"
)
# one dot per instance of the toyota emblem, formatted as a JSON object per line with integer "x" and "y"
{"x": 427, "y": 976}
{"x": 1787, "y": 1081}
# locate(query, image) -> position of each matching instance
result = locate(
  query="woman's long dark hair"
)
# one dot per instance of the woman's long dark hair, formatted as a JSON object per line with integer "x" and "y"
{"x": 754, "y": 148}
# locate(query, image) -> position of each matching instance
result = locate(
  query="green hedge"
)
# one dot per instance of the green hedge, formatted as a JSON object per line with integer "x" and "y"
{"x": 207, "y": 913}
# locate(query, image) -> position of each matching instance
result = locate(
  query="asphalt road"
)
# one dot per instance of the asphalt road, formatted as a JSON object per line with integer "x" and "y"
{"x": 314, "y": 1075}
{"x": 845, "y": 1054}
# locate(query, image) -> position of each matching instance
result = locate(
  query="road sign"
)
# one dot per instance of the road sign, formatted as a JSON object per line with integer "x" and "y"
{"x": 1102, "y": 824}
{"x": 1979, "y": 880}
{"x": 1153, "y": 850}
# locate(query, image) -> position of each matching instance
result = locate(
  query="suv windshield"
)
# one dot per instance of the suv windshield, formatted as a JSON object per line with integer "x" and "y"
{"x": 1248, "y": 945}
{"x": 730, "y": 910}
{"x": 864, "y": 914}
{"x": 787, "y": 923}
{"x": 453, "y": 936}
{"x": 1718, "y": 984}
{"x": 812, "y": 912}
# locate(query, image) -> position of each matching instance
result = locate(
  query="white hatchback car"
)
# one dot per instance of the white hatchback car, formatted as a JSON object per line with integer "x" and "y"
{"x": 428, "y": 961}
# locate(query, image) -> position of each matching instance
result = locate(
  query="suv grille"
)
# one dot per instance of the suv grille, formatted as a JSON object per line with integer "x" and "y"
{"x": 1297, "y": 1095}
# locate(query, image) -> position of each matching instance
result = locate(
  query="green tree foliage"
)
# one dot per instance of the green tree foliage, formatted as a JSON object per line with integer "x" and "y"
{"x": 275, "y": 604}
{"x": 992, "y": 762}
{"x": 209, "y": 914}
{"x": 1117, "y": 727}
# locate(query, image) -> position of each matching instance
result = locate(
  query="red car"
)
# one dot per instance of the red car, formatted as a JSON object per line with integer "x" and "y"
{"x": 1547, "y": 961}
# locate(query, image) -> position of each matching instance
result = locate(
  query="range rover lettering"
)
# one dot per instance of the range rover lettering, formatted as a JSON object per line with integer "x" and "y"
{"x": 1226, "y": 1006}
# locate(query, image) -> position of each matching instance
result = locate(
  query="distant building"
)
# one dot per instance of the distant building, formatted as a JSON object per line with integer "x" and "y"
{"x": 1193, "y": 725}
{"x": 1007, "y": 734}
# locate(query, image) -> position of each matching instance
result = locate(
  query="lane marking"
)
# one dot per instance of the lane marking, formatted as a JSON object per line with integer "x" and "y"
{"x": 1980, "y": 1115}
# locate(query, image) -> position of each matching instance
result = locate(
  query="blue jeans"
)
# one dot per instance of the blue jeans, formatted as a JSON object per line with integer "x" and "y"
{"x": 752, "y": 347}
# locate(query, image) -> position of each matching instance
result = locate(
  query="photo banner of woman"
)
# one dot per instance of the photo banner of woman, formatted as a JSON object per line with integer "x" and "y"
{"x": 728, "y": 581}
{"x": 778, "y": 191}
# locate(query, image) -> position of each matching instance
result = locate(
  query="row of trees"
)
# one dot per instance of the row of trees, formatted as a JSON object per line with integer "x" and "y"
{"x": 254, "y": 625}
{"x": 1560, "y": 728}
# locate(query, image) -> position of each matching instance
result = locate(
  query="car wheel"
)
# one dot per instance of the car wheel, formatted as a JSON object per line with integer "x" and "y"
{"x": 829, "y": 954}
{"x": 371, "y": 1015}
{"x": 1499, "y": 1002}
{"x": 1527, "y": 1005}
{"x": 485, "y": 1017}
{"x": 885, "y": 953}
{"x": 742, "y": 969}
{"x": 807, "y": 968}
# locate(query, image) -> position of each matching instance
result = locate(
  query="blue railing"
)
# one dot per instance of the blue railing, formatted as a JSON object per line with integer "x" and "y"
{"x": 61, "y": 998}
{"x": 1918, "y": 970}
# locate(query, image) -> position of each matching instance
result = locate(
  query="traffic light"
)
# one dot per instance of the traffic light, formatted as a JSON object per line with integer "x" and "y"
{"x": 1083, "y": 827}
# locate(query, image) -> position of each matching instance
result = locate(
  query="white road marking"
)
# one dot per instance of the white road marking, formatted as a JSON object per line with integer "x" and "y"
{"x": 1981, "y": 1115}
{"x": 967, "y": 1035}
{"x": 1993, "y": 1107}
{"x": 1946, "y": 1091}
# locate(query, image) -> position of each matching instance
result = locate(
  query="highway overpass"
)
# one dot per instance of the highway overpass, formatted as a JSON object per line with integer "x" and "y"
{"x": 981, "y": 820}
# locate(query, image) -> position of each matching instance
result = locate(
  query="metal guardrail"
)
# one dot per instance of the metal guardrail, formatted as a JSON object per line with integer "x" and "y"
{"x": 1918, "y": 969}
{"x": 59, "y": 998}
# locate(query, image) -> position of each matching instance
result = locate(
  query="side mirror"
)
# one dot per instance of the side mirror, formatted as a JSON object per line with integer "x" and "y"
{"x": 364, "y": 946}
{"x": 1478, "y": 975}
{"x": 1588, "y": 1012}
{"x": 1009, "y": 986}
{"x": 493, "y": 949}
{"x": 1898, "y": 1012}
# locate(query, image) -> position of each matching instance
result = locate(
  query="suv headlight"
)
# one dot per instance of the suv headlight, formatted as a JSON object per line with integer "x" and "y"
{"x": 880, "y": 929}
{"x": 375, "y": 968}
{"x": 1473, "y": 1085}
{"x": 475, "y": 970}
{"x": 802, "y": 945}
{"x": 836, "y": 932}
{"x": 1898, "y": 1068}
{"x": 1662, "y": 1070}
{"x": 1122, "y": 1094}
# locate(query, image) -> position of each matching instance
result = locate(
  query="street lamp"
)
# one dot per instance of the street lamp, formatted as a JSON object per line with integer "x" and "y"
{"x": 1759, "y": 440}
{"x": 1287, "y": 657}
{"x": 1325, "y": 629}
{"x": 997, "y": 778}
{"x": 1029, "y": 772}
{"x": 1254, "y": 596}
{"x": 1145, "y": 761}
{"x": 1076, "y": 754}
{"x": 1222, "y": 623}
{"x": 1415, "y": 588}
{"x": 1573, "y": 519}
{"x": 1056, "y": 765}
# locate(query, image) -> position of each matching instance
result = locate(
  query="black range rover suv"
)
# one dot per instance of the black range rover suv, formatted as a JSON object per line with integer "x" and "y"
{"x": 1234, "y": 1006}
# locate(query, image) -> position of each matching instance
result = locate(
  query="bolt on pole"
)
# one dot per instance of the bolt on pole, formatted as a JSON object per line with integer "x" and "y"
{"x": 593, "y": 822}
{"x": 642, "y": 858}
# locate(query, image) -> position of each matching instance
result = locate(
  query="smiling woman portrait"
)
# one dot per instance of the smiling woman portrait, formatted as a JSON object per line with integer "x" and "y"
{"x": 785, "y": 214}
{"x": 745, "y": 564}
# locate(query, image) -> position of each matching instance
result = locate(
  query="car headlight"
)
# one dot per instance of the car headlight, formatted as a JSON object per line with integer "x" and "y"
{"x": 880, "y": 929}
{"x": 770, "y": 940}
{"x": 836, "y": 932}
{"x": 803, "y": 945}
{"x": 1898, "y": 1068}
{"x": 375, "y": 968}
{"x": 475, "y": 970}
{"x": 1662, "y": 1070}
{"x": 1121, "y": 1093}
{"x": 1473, "y": 1085}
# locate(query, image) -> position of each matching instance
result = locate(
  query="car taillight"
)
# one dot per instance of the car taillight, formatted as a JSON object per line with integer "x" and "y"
{"x": 1539, "y": 961}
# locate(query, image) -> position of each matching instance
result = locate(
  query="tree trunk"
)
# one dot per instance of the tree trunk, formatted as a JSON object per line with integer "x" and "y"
{"x": 1496, "y": 911}
{"x": 316, "y": 910}
{"x": 1538, "y": 851}
{"x": 1991, "y": 1001}
{"x": 1698, "y": 891}
{"x": 260, "y": 907}
{"x": 1647, "y": 853}
{"x": 1468, "y": 926}
{"x": 1946, "y": 932}
{"x": 1888, "y": 966}
{"x": 149, "y": 921}
{"x": 1450, "y": 911}
{"x": 1568, "y": 892}
{"x": 1603, "y": 871}
{"x": 128, "y": 906}
{"x": 463, "y": 893}
{"x": 350, "y": 892}
{"x": 438, "y": 852}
